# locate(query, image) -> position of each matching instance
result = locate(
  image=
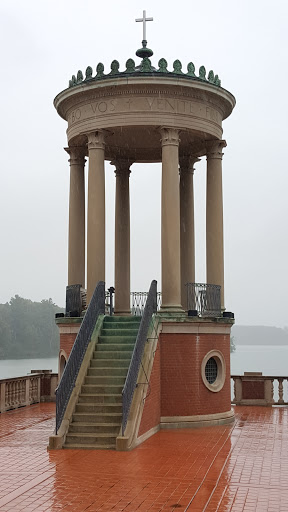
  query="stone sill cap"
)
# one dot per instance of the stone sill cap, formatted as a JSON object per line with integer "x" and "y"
{"x": 170, "y": 317}
{"x": 68, "y": 320}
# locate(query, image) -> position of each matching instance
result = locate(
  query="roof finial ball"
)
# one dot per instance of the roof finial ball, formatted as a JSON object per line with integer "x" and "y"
{"x": 144, "y": 52}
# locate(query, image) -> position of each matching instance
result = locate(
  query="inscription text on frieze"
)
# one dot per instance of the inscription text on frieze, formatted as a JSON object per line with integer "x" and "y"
{"x": 144, "y": 104}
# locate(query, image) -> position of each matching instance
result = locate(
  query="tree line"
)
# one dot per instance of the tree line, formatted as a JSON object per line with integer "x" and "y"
{"x": 28, "y": 329}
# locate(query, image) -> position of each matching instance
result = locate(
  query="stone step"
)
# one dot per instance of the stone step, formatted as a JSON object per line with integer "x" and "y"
{"x": 96, "y": 408}
{"x": 105, "y": 379}
{"x": 113, "y": 347}
{"x": 90, "y": 438}
{"x": 120, "y": 325}
{"x": 108, "y": 428}
{"x": 120, "y": 333}
{"x": 104, "y": 363}
{"x": 120, "y": 319}
{"x": 78, "y": 446}
{"x": 105, "y": 389}
{"x": 103, "y": 341}
{"x": 108, "y": 372}
{"x": 100, "y": 399}
{"x": 97, "y": 418}
{"x": 113, "y": 354}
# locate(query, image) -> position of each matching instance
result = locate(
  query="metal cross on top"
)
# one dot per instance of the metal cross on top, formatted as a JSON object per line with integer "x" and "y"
{"x": 143, "y": 20}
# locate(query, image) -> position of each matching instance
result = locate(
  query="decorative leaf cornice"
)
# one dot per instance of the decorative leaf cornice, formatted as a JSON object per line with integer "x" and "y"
{"x": 145, "y": 69}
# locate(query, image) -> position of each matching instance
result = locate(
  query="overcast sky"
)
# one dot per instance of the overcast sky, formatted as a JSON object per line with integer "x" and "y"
{"x": 244, "y": 41}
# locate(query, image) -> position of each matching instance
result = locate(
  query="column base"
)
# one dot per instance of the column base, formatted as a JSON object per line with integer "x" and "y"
{"x": 123, "y": 312}
{"x": 175, "y": 310}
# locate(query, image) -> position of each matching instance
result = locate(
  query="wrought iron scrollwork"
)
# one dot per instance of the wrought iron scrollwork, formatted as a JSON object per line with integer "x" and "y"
{"x": 204, "y": 298}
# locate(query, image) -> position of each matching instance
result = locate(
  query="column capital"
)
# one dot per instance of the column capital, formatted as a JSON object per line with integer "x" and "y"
{"x": 96, "y": 140}
{"x": 122, "y": 166}
{"x": 170, "y": 136}
{"x": 186, "y": 164}
{"x": 77, "y": 155}
{"x": 214, "y": 148}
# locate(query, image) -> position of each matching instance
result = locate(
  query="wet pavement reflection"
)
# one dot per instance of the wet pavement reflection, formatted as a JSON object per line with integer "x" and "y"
{"x": 239, "y": 467}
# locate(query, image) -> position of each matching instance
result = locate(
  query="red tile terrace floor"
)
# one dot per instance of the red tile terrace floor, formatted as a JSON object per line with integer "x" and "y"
{"x": 241, "y": 467}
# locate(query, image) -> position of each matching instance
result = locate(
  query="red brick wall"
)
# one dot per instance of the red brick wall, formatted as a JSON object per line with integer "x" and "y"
{"x": 67, "y": 341}
{"x": 151, "y": 411}
{"x": 253, "y": 390}
{"x": 183, "y": 392}
{"x": 45, "y": 386}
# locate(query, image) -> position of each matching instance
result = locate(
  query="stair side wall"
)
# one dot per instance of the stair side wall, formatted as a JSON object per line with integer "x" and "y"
{"x": 152, "y": 403}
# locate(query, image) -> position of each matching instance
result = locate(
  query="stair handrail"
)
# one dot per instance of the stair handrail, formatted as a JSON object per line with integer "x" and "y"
{"x": 63, "y": 392}
{"x": 133, "y": 370}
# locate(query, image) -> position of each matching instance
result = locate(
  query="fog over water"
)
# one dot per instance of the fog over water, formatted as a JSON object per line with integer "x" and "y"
{"x": 43, "y": 43}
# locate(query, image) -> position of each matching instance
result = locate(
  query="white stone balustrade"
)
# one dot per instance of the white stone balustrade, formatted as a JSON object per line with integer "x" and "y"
{"x": 30, "y": 389}
{"x": 253, "y": 388}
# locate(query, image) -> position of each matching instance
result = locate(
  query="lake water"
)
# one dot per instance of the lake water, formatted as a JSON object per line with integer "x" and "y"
{"x": 270, "y": 360}
{"x": 20, "y": 367}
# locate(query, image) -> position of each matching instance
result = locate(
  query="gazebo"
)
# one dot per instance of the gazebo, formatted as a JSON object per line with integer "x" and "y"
{"x": 144, "y": 113}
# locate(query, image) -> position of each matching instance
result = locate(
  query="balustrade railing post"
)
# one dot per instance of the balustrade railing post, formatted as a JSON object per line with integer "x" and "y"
{"x": 280, "y": 391}
{"x": 8, "y": 394}
{"x": 3, "y": 397}
{"x": 269, "y": 391}
{"x": 13, "y": 393}
{"x": 39, "y": 389}
{"x": 27, "y": 394}
{"x": 238, "y": 390}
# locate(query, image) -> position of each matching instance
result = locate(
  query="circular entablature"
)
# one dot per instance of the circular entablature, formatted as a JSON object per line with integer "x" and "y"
{"x": 133, "y": 112}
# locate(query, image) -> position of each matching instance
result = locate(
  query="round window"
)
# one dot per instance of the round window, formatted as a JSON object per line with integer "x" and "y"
{"x": 211, "y": 370}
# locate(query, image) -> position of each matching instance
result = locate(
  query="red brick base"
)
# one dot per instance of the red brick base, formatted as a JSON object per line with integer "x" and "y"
{"x": 176, "y": 385}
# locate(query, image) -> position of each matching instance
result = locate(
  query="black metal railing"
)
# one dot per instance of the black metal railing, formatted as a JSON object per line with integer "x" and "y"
{"x": 132, "y": 375}
{"x": 67, "y": 383}
{"x": 138, "y": 301}
{"x": 204, "y": 298}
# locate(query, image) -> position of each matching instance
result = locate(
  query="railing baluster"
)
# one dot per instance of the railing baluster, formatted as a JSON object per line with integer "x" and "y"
{"x": 234, "y": 390}
{"x": 204, "y": 298}
{"x": 138, "y": 301}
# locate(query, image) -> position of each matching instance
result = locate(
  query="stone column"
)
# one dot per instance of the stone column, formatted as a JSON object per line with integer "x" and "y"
{"x": 96, "y": 212}
{"x": 76, "y": 237}
{"x": 170, "y": 220}
{"x": 214, "y": 216}
{"x": 122, "y": 238}
{"x": 187, "y": 237}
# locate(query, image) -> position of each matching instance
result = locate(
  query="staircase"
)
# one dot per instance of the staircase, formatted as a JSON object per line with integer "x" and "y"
{"x": 98, "y": 414}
